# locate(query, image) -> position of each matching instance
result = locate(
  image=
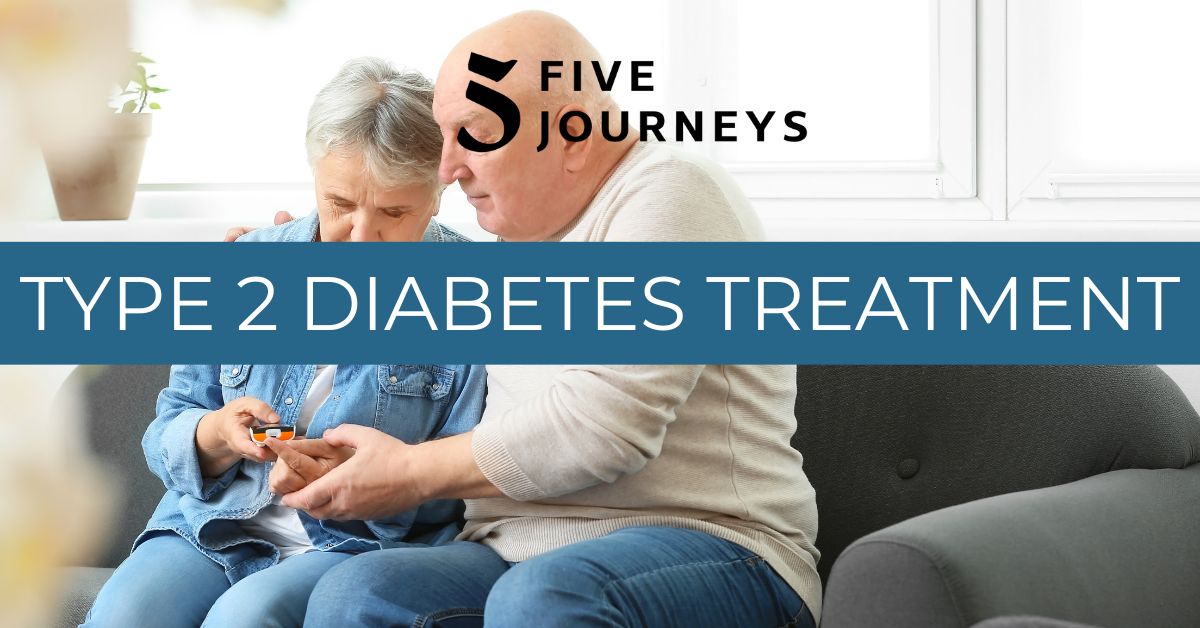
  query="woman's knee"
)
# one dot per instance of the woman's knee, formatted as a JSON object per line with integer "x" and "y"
{"x": 276, "y": 596}
{"x": 550, "y": 590}
{"x": 352, "y": 590}
{"x": 400, "y": 586}
{"x": 250, "y": 607}
{"x": 165, "y": 572}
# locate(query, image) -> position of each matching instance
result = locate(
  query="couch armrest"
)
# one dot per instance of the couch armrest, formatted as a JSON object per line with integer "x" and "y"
{"x": 1116, "y": 549}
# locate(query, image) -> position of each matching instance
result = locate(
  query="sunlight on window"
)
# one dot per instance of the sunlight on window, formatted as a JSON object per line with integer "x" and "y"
{"x": 241, "y": 84}
{"x": 860, "y": 69}
{"x": 1139, "y": 95}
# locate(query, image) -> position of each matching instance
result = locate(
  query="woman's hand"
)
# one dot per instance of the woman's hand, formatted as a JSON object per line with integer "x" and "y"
{"x": 223, "y": 437}
{"x": 301, "y": 462}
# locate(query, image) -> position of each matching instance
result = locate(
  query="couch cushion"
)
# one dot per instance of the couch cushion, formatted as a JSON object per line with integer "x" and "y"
{"x": 1115, "y": 549}
{"x": 80, "y": 586}
{"x": 1027, "y": 621}
{"x": 882, "y": 444}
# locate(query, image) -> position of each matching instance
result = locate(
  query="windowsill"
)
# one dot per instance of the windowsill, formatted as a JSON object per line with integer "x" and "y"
{"x": 213, "y": 230}
{"x": 167, "y": 215}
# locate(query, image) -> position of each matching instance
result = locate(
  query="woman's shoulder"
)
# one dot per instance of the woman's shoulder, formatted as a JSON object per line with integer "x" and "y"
{"x": 299, "y": 230}
{"x": 437, "y": 232}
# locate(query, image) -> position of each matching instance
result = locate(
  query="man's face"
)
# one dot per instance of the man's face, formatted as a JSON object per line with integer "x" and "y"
{"x": 354, "y": 208}
{"x": 513, "y": 188}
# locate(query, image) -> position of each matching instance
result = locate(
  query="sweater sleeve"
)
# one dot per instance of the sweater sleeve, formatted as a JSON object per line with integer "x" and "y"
{"x": 593, "y": 424}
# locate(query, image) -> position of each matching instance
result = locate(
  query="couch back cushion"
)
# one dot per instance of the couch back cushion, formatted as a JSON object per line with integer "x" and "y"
{"x": 882, "y": 444}
{"x": 118, "y": 404}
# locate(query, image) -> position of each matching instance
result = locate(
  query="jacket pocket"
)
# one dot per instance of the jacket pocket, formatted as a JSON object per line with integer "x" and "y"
{"x": 413, "y": 400}
{"x": 233, "y": 380}
{"x": 431, "y": 381}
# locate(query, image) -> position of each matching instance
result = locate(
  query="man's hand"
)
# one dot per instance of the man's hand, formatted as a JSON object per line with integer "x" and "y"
{"x": 301, "y": 462}
{"x": 237, "y": 232}
{"x": 369, "y": 485}
{"x": 387, "y": 476}
{"x": 223, "y": 436}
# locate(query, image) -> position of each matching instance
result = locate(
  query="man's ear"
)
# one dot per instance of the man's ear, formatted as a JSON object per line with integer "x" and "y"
{"x": 575, "y": 154}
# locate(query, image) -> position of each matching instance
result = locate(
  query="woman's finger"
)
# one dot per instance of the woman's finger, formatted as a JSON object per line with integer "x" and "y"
{"x": 313, "y": 448}
{"x": 304, "y": 466}
{"x": 284, "y": 480}
{"x": 314, "y": 499}
{"x": 249, "y": 408}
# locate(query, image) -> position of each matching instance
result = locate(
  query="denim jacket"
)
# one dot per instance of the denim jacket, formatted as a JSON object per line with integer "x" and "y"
{"x": 413, "y": 402}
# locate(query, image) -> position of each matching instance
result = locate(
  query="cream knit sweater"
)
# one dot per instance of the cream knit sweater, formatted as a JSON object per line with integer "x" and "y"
{"x": 581, "y": 451}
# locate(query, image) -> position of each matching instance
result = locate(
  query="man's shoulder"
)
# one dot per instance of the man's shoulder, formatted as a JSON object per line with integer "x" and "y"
{"x": 670, "y": 194}
{"x": 663, "y": 163}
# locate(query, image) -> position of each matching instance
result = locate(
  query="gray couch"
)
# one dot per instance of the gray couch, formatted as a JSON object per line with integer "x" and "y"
{"x": 948, "y": 496}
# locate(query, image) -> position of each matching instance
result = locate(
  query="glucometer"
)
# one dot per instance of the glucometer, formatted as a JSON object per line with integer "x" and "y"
{"x": 260, "y": 433}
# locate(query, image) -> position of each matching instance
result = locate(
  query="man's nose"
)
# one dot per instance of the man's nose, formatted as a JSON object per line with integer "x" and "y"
{"x": 452, "y": 167}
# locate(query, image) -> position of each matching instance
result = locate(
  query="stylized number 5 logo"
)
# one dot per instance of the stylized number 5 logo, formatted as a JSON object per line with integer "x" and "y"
{"x": 491, "y": 100}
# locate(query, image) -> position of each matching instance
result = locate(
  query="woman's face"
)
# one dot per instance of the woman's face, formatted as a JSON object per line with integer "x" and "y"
{"x": 353, "y": 208}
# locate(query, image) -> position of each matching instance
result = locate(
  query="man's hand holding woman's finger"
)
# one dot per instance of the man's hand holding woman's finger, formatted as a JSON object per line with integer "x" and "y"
{"x": 293, "y": 470}
{"x": 303, "y": 461}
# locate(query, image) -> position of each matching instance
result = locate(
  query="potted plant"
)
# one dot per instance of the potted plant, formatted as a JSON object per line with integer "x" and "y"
{"x": 96, "y": 179}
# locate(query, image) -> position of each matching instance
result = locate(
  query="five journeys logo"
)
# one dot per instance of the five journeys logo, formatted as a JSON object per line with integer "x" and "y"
{"x": 650, "y": 121}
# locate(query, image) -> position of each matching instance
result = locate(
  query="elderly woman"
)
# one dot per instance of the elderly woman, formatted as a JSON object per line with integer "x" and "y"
{"x": 221, "y": 549}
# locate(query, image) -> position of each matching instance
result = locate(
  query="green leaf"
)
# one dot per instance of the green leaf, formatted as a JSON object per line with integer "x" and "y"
{"x": 155, "y": 106}
{"x": 141, "y": 58}
{"x": 128, "y": 106}
{"x": 158, "y": 90}
{"x": 139, "y": 76}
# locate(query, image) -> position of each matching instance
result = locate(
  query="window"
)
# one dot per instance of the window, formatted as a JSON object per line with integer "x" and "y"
{"x": 232, "y": 126}
{"x": 915, "y": 109}
{"x": 888, "y": 87}
{"x": 241, "y": 84}
{"x": 1103, "y": 106}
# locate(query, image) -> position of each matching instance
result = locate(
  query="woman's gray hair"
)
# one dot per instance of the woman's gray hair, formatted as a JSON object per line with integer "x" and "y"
{"x": 383, "y": 112}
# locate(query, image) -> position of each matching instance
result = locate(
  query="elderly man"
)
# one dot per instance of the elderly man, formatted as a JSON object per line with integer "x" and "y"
{"x": 596, "y": 495}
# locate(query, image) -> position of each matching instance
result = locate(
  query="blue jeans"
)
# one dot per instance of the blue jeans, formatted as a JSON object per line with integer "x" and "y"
{"x": 167, "y": 582}
{"x": 648, "y": 576}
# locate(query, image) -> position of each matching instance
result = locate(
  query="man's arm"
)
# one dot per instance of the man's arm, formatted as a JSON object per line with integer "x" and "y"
{"x": 593, "y": 424}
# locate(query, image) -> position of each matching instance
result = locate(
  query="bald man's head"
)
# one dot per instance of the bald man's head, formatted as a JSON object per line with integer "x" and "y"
{"x": 530, "y": 37}
{"x": 522, "y": 192}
